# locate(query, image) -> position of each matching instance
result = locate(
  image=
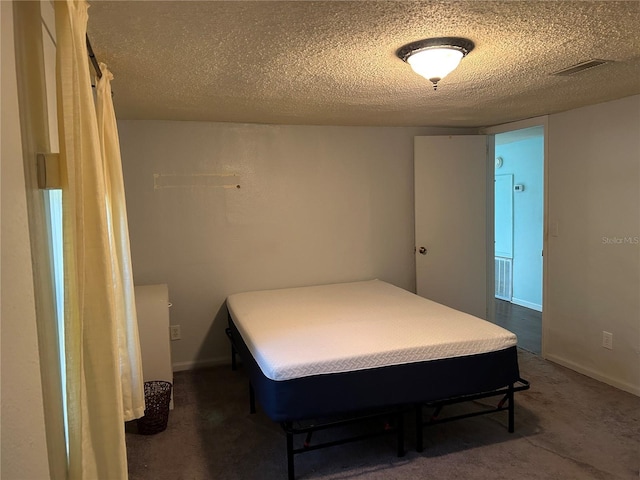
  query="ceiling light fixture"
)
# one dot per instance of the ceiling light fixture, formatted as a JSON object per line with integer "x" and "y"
{"x": 435, "y": 58}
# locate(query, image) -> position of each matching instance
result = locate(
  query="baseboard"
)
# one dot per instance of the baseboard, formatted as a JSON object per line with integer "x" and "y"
{"x": 627, "y": 387}
{"x": 209, "y": 362}
{"x": 524, "y": 303}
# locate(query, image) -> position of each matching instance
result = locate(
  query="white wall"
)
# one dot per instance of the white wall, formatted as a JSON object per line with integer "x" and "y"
{"x": 315, "y": 205}
{"x": 24, "y": 452}
{"x": 594, "y": 257}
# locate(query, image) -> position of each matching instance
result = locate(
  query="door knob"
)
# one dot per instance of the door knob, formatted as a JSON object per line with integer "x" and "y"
{"x": 422, "y": 250}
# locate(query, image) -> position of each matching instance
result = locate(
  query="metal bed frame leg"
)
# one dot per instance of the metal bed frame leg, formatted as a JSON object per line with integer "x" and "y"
{"x": 227, "y": 330}
{"x": 419, "y": 429}
{"x": 511, "y": 408}
{"x": 290, "y": 466}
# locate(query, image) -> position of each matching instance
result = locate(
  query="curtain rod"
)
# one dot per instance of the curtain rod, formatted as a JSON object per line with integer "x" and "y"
{"x": 93, "y": 59}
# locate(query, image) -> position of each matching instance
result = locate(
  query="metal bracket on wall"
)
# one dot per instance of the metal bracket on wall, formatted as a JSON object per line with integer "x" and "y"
{"x": 209, "y": 180}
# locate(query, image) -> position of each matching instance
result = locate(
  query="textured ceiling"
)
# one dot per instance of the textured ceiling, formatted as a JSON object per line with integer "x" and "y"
{"x": 334, "y": 62}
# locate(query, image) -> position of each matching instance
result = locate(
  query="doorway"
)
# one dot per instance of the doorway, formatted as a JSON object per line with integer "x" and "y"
{"x": 519, "y": 233}
{"x": 455, "y": 248}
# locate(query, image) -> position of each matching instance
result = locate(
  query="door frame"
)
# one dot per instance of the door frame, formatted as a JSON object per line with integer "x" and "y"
{"x": 543, "y": 122}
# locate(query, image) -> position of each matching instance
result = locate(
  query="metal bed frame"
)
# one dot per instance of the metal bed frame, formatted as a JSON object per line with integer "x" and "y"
{"x": 393, "y": 418}
{"x": 392, "y": 422}
{"x": 507, "y": 397}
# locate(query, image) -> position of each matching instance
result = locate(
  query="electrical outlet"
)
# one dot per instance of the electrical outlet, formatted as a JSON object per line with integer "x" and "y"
{"x": 607, "y": 340}
{"x": 174, "y": 332}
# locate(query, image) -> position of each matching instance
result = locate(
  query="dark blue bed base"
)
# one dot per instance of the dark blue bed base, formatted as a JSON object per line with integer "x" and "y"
{"x": 386, "y": 392}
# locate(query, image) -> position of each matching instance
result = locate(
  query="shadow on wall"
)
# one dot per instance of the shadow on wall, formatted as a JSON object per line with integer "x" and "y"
{"x": 214, "y": 342}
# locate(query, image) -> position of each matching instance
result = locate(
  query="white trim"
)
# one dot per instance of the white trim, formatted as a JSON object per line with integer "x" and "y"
{"x": 524, "y": 303}
{"x": 490, "y": 228}
{"x": 509, "y": 127}
{"x": 627, "y": 387}
{"x": 195, "y": 364}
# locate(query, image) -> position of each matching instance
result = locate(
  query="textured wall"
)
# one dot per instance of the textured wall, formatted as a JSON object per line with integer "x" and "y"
{"x": 594, "y": 242}
{"x": 315, "y": 205}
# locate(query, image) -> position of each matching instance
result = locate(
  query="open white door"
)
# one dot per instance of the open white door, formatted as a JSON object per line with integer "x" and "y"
{"x": 453, "y": 243}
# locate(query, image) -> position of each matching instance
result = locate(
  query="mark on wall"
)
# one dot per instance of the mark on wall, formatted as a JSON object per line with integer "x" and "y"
{"x": 209, "y": 180}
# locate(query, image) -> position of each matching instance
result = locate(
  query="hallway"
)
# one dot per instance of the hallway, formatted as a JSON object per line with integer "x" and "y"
{"x": 524, "y": 322}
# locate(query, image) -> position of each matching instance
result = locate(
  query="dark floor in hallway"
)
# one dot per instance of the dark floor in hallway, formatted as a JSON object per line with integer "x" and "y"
{"x": 524, "y": 322}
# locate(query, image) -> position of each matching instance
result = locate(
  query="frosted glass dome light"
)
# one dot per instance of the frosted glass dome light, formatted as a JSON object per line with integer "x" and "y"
{"x": 435, "y": 58}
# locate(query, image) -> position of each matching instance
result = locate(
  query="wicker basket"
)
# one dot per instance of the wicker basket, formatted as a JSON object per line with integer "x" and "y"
{"x": 157, "y": 395}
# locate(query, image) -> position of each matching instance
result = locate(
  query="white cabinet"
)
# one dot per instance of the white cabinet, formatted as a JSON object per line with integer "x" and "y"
{"x": 152, "y": 305}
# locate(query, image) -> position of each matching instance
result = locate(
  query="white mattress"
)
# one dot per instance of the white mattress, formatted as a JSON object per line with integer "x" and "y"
{"x": 299, "y": 332}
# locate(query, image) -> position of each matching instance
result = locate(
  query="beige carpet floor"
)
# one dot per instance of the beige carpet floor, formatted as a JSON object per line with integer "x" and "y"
{"x": 568, "y": 426}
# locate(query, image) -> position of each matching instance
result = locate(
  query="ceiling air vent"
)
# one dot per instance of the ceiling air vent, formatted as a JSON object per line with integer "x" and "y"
{"x": 580, "y": 67}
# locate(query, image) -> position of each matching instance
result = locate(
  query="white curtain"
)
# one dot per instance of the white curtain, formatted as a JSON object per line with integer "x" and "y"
{"x": 100, "y": 331}
{"x": 126, "y": 321}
